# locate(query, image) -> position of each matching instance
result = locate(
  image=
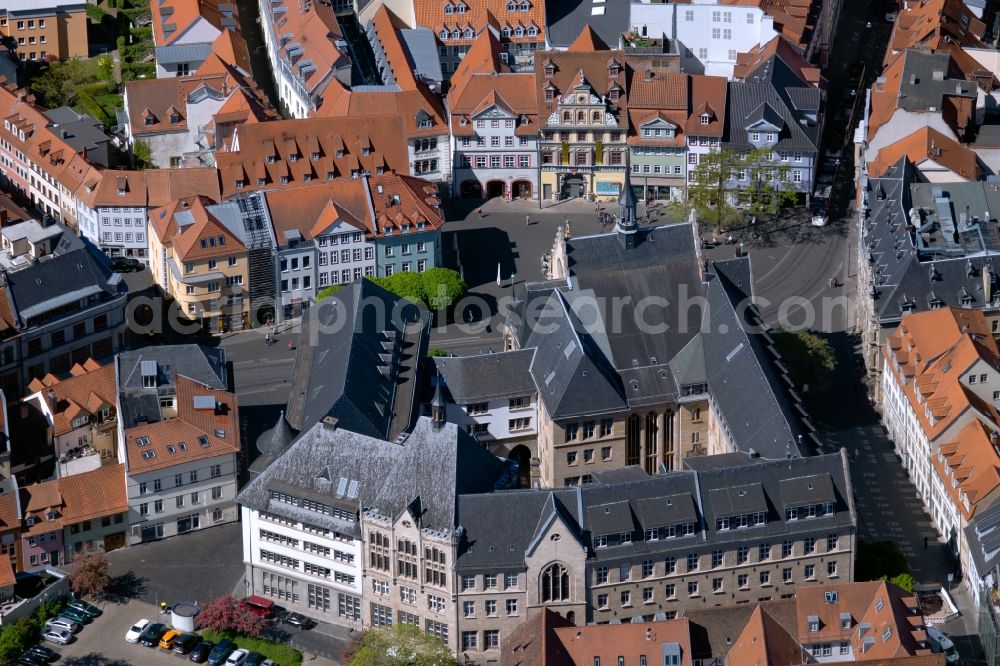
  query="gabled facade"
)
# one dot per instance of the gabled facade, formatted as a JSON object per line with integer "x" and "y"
{"x": 184, "y": 30}
{"x": 581, "y": 96}
{"x": 81, "y": 415}
{"x": 179, "y": 439}
{"x": 199, "y": 262}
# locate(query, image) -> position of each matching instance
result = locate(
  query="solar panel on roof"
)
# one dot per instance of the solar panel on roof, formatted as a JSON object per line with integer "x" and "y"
{"x": 352, "y": 489}
{"x": 148, "y": 368}
{"x": 341, "y": 486}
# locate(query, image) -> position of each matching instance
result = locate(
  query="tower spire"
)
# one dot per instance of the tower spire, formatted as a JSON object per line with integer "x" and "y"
{"x": 438, "y": 404}
{"x": 627, "y": 225}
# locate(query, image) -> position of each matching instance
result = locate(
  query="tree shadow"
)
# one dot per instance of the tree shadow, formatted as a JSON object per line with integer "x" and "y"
{"x": 93, "y": 659}
{"x": 124, "y": 588}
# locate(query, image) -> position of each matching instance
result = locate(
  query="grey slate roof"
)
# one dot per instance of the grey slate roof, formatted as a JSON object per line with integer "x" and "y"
{"x": 753, "y": 401}
{"x": 927, "y": 77}
{"x": 499, "y": 526}
{"x": 424, "y": 471}
{"x": 80, "y": 131}
{"x": 180, "y": 53}
{"x": 205, "y": 365}
{"x": 565, "y": 20}
{"x": 64, "y": 279}
{"x": 913, "y": 272}
{"x": 983, "y": 536}
{"x": 487, "y": 376}
{"x": 585, "y": 364}
{"x": 337, "y": 369}
{"x": 421, "y": 46}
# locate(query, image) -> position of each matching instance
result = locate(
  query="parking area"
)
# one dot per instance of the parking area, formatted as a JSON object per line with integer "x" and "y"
{"x": 102, "y": 643}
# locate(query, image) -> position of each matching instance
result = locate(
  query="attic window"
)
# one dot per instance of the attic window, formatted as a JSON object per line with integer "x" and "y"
{"x": 519, "y": 31}
{"x": 220, "y": 433}
{"x": 148, "y": 455}
{"x": 532, "y": 31}
{"x": 183, "y": 446}
{"x": 51, "y": 515}
{"x": 175, "y": 118}
{"x": 443, "y": 34}
{"x": 149, "y": 120}
{"x": 705, "y": 118}
{"x": 240, "y": 183}
{"x": 270, "y": 159}
{"x": 171, "y": 449}
{"x": 550, "y": 70}
{"x": 830, "y": 596}
{"x": 461, "y": 8}
{"x": 613, "y": 94}
{"x": 505, "y": 31}
{"x": 469, "y": 34}
{"x": 142, "y": 441}
{"x": 203, "y": 441}
{"x": 314, "y": 155}
{"x": 511, "y": 7}
{"x": 449, "y": 9}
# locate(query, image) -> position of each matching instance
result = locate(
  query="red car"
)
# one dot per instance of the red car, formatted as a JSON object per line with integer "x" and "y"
{"x": 259, "y": 606}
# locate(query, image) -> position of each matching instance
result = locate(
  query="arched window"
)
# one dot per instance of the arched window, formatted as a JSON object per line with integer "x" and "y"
{"x": 571, "y": 616}
{"x": 632, "y": 427}
{"x": 555, "y": 583}
{"x": 581, "y": 116}
{"x": 651, "y": 433}
{"x": 668, "y": 453}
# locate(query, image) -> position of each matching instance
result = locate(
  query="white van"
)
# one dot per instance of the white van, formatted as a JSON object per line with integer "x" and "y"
{"x": 941, "y": 643}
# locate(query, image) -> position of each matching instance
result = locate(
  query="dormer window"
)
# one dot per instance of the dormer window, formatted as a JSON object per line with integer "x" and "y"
{"x": 449, "y": 9}
{"x": 314, "y": 156}
{"x": 174, "y": 118}
{"x": 461, "y": 9}
{"x": 705, "y": 119}
{"x": 443, "y": 34}
{"x": 505, "y": 32}
{"x": 240, "y": 183}
{"x": 293, "y": 158}
{"x": 339, "y": 153}
{"x": 456, "y": 34}
{"x": 532, "y": 31}
{"x": 519, "y": 31}
{"x": 469, "y": 34}
{"x": 366, "y": 151}
{"x": 550, "y": 70}
{"x": 149, "y": 121}
{"x": 550, "y": 94}
{"x": 261, "y": 182}
{"x": 524, "y": 6}
{"x": 51, "y": 515}
{"x": 613, "y": 69}
{"x": 270, "y": 159}
{"x": 511, "y": 6}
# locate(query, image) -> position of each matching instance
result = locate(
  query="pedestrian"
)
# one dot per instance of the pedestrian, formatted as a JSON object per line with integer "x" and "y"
{"x": 857, "y": 454}
{"x": 479, "y": 212}
{"x": 925, "y": 543}
{"x": 527, "y": 220}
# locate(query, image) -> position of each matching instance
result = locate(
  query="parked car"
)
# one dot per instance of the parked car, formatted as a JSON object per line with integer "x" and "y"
{"x": 259, "y": 606}
{"x": 72, "y": 626}
{"x": 253, "y": 659}
{"x": 237, "y": 657}
{"x": 57, "y": 635}
{"x": 891, "y": 16}
{"x": 133, "y": 634}
{"x": 152, "y": 635}
{"x": 268, "y": 662}
{"x": 125, "y": 264}
{"x": 941, "y": 642}
{"x": 167, "y": 641}
{"x": 84, "y": 607}
{"x": 220, "y": 652}
{"x": 45, "y": 652}
{"x": 29, "y": 659}
{"x": 298, "y": 620}
{"x": 77, "y": 616}
{"x": 200, "y": 652}
{"x": 185, "y": 643}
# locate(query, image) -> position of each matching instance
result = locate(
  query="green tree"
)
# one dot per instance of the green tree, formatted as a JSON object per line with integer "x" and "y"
{"x": 903, "y": 581}
{"x": 143, "y": 155}
{"x": 105, "y": 67}
{"x": 57, "y": 86}
{"x": 714, "y": 192}
{"x": 401, "y": 645}
{"x": 808, "y": 357}
{"x": 329, "y": 291}
{"x": 442, "y": 287}
{"x": 15, "y": 638}
{"x": 879, "y": 560}
{"x": 436, "y": 352}
{"x": 406, "y": 285}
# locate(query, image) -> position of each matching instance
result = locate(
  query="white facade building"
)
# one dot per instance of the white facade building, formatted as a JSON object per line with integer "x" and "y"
{"x": 498, "y": 158}
{"x": 303, "y": 565}
{"x": 710, "y": 34}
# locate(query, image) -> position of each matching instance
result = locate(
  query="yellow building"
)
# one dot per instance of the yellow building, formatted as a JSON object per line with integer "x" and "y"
{"x": 200, "y": 263}
{"x": 582, "y": 111}
{"x": 45, "y": 28}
